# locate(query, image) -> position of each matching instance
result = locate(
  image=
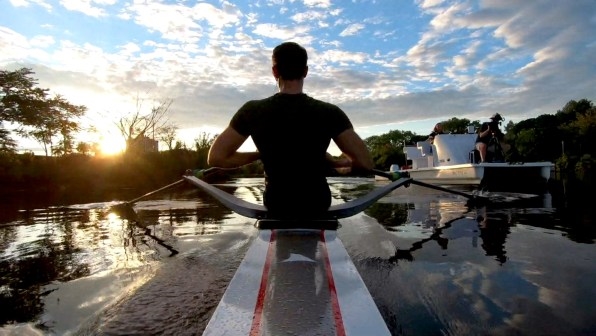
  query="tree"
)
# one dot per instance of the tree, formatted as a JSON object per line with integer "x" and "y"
{"x": 579, "y": 133}
{"x": 179, "y": 145}
{"x": 456, "y": 125}
{"x": 572, "y": 109}
{"x": 387, "y": 149}
{"x": 534, "y": 139}
{"x": 7, "y": 144}
{"x": 20, "y": 99}
{"x": 37, "y": 116}
{"x": 586, "y": 129}
{"x": 202, "y": 145}
{"x": 19, "y": 102}
{"x": 167, "y": 134}
{"x": 55, "y": 125}
{"x": 84, "y": 148}
{"x": 135, "y": 127}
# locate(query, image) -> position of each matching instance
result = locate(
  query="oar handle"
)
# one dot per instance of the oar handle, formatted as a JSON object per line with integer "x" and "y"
{"x": 201, "y": 173}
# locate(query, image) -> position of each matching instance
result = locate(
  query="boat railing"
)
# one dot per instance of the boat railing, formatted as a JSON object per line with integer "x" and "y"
{"x": 421, "y": 155}
{"x": 446, "y": 150}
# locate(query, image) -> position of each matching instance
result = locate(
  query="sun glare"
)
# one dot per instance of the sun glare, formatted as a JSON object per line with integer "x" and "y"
{"x": 112, "y": 145}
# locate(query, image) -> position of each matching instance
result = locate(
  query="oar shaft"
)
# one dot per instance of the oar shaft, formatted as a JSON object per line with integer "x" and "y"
{"x": 199, "y": 173}
{"x": 156, "y": 191}
{"x": 436, "y": 187}
{"x": 427, "y": 185}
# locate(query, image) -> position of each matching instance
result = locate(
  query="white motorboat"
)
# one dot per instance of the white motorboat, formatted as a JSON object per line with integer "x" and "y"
{"x": 451, "y": 160}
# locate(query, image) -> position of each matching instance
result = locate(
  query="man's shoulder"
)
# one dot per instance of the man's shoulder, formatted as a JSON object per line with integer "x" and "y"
{"x": 256, "y": 104}
{"x": 323, "y": 103}
{"x": 277, "y": 101}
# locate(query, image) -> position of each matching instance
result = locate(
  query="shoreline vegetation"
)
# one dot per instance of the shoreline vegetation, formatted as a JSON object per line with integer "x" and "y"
{"x": 143, "y": 172}
{"x": 94, "y": 177}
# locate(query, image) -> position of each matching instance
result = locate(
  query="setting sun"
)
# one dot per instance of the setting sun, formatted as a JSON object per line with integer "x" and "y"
{"x": 111, "y": 145}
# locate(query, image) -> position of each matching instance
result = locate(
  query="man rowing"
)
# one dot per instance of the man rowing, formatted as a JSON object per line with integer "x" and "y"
{"x": 291, "y": 132}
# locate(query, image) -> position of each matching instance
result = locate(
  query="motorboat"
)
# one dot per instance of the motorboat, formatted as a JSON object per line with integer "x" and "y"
{"x": 453, "y": 160}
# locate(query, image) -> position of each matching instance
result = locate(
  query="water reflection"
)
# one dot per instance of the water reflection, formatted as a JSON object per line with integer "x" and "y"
{"x": 434, "y": 264}
{"x": 493, "y": 232}
{"x": 443, "y": 267}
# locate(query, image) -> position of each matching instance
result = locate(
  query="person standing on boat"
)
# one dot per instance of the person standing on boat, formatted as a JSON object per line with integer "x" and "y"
{"x": 292, "y": 132}
{"x": 438, "y": 129}
{"x": 488, "y": 131}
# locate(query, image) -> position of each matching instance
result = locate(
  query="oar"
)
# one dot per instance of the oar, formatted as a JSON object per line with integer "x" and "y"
{"x": 200, "y": 173}
{"x": 126, "y": 210}
{"x": 396, "y": 175}
{"x": 131, "y": 202}
{"x": 126, "y": 207}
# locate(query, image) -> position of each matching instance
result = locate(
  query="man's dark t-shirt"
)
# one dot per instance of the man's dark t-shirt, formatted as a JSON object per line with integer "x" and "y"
{"x": 292, "y": 133}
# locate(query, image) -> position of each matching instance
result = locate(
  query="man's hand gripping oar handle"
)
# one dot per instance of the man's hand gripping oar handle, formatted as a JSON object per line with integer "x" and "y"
{"x": 201, "y": 173}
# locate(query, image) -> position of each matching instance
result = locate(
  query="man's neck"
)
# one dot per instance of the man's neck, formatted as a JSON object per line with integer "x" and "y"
{"x": 291, "y": 86}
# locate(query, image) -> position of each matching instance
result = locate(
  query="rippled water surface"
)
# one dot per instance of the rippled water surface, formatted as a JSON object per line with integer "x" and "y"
{"x": 520, "y": 264}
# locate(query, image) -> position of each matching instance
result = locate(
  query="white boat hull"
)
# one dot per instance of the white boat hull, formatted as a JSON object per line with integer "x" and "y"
{"x": 484, "y": 173}
{"x": 449, "y": 160}
{"x": 297, "y": 282}
{"x": 457, "y": 174}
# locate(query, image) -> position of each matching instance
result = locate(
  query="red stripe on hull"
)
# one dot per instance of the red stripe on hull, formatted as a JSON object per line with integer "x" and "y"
{"x": 339, "y": 322}
{"x": 258, "y": 314}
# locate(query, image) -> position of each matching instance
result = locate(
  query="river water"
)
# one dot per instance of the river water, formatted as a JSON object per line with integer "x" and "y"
{"x": 520, "y": 264}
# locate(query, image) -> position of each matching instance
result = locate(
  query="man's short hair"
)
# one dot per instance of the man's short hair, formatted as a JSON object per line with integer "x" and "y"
{"x": 290, "y": 59}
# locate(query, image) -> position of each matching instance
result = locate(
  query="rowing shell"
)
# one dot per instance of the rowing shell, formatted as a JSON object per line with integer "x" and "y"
{"x": 297, "y": 277}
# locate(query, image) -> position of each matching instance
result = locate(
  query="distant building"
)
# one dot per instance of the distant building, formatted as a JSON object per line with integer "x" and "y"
{"x": 143, "y": 144}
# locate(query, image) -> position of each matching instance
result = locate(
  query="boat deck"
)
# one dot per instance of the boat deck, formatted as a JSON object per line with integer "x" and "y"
{"x": 297, "y": 282}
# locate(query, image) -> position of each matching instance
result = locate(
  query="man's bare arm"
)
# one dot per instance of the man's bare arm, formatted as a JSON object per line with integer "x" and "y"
{"x": 355, "y": 149}
{"x": 224, "y": 151}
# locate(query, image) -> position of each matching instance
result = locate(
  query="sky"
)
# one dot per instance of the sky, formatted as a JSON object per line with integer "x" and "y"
{"x": 389, "y": 64}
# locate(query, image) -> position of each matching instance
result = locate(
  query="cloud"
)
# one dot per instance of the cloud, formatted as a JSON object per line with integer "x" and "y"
{"x": 440, "y": 59}
{"x": 317, "y": 3}
{"x": 352, "y": 29}
{"x": 27, "y": 3}
{"x": 87, "y": 6}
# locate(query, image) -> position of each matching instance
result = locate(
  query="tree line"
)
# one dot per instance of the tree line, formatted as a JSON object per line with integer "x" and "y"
{"x": 566, "y": 137}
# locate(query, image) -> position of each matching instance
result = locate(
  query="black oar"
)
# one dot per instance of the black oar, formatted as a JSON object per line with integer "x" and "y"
{"x": 200, "y": 173}
{"x": 396, "y": 175}
{"x": 131, "y": 202}
{"x": 126, "y": 211}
